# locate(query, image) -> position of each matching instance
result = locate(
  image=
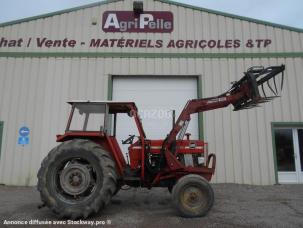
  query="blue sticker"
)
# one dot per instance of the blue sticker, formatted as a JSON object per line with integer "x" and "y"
{"x": 23, "y": 140}
{"x": 24, "y": 131}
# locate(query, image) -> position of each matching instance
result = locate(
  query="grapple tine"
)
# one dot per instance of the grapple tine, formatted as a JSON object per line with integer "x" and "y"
{"x": 272, "y": 97}
{"x": 270, "y": 73}
{"x": 275, "y": 85}
{"x": 264, "y": 101}
{"x": 282, "y": 80}
{"x": 247, "y": 107}
{"x": 270, "y": 88}
{"x": 252, "y": 106}
{"x": 263, "y": 90}
{"x": 267, "y": 99}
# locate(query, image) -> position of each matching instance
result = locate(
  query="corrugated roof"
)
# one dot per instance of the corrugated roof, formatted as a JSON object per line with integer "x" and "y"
{"x": 57, "y": 12}
{"x": 163, "y": 1}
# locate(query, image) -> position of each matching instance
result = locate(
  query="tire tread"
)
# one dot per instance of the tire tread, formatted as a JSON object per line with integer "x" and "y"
{"x": 109, "y": 179}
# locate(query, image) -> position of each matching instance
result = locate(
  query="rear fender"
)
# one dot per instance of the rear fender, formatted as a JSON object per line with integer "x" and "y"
{"x": 109, "y": 143}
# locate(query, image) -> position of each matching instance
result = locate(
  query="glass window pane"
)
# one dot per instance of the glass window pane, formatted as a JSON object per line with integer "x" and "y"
{"x": 285, "y": 150}
{"x": 88, "y": 117}
{"x": 300, "y": 136}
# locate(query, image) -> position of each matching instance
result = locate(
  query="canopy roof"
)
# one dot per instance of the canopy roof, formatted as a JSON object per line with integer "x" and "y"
{"x": 99, "y": 106}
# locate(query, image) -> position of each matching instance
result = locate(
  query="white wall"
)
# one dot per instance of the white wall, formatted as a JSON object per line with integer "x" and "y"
{"x": 33, "y": 92}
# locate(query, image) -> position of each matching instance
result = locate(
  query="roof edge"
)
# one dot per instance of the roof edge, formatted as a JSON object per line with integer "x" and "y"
{"x": 41, "y": 16}
{"x": 294, "y": 29}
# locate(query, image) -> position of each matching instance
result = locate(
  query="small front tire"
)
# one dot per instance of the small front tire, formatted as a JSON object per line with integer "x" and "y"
{"x": 193, "y": 196}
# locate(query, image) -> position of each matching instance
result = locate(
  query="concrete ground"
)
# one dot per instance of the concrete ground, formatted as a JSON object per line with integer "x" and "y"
{"x": 235, "y": 206}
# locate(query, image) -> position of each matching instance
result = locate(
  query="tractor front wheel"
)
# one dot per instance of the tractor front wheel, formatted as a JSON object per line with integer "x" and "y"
{"x": 193, "y": 196}
{"x": 77, "y": 179}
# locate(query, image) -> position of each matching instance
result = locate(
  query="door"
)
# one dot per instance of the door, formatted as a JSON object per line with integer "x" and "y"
{"x": 155, "y": 98}
{"x": 289, "y": 154}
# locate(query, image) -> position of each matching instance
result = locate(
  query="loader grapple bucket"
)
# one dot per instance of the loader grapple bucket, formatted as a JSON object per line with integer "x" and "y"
{"x": 260, "y": 84}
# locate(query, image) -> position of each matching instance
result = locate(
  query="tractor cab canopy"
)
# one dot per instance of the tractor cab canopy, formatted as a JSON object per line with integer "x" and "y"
{"x": 101, "y": 106}
{"x": 96, "y": 115}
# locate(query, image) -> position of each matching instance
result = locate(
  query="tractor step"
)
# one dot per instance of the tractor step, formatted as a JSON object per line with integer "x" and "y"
{"x": 132, "y": 181}
{"x": 128, "y": 172}
{"x": 131, "y": 178}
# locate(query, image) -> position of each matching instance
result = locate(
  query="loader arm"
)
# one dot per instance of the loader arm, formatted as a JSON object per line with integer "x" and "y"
{"x": 243, "y": 94}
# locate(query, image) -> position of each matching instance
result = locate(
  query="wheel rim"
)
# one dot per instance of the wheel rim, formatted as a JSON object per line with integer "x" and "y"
{"x": 76, "y": 179}
{"x": 193, "y": 198}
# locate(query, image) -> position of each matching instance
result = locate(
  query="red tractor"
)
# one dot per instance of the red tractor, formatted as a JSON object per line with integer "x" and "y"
{"x": 81, "y": 175}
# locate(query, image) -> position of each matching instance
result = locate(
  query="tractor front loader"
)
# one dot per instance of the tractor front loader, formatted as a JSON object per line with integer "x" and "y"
{"x": 81, "y": 175}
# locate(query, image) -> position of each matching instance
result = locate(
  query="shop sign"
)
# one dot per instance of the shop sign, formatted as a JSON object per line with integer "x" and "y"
{"x": 147, "y": 22}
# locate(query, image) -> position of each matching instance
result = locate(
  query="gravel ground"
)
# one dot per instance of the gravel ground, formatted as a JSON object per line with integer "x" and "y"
{"x": 235, "y": 206}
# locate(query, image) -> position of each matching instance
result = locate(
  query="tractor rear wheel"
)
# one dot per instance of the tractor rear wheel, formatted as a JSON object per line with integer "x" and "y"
{"x": 193, "y": 196}
{"x": 77, "y": 179}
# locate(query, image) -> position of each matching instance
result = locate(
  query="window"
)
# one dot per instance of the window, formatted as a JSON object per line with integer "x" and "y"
{"x": 288, "y": 139}
{"x": 88, "y": 117}
{"x": 285, "y": 150}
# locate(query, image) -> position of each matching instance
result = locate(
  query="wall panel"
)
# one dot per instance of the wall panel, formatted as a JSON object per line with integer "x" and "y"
{"x": 34, "y": 92}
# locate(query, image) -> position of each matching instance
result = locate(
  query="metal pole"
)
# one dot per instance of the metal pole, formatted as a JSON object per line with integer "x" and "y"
{"x": 174, "y": 117}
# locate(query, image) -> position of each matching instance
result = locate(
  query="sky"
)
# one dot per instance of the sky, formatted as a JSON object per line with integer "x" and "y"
{"x": 285, "y": 12}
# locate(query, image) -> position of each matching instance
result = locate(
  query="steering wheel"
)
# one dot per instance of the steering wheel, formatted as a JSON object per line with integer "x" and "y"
{"x": 129, "y": 140}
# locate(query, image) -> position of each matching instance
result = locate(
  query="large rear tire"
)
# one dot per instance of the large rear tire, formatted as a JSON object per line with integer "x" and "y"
{"x": 193, "y": 196}
{"x": 77, "y": 178}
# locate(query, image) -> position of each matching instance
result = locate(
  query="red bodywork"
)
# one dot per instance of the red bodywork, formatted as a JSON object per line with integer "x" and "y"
{"x": 171, "y": 152}
{"x": 136, "y": 155}
{"x": 137, "y": 150}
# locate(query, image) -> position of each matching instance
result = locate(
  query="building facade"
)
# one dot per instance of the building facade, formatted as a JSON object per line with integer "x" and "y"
{"x": 160, "y": 58}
